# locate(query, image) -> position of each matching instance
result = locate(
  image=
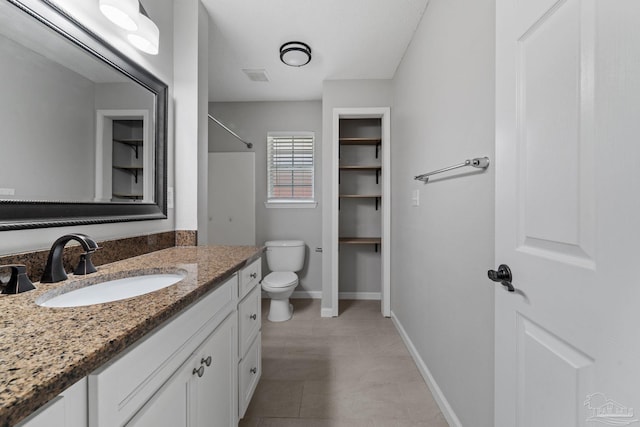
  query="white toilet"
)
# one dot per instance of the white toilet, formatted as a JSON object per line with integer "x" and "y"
{"x": 284, "y": 258}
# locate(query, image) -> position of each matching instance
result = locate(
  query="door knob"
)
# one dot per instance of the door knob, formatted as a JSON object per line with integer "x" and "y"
{"x": 503, "y": 275}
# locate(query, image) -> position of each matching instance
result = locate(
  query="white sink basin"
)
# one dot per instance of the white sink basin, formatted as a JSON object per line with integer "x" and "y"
{"x": 113, "y": 290}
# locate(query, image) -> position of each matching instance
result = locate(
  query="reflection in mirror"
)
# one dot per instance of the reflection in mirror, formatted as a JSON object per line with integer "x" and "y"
{"x": 84, "y": 128}
{"x": 60, "y": 98}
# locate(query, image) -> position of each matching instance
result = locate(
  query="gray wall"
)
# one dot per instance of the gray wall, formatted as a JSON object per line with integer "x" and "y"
{"x": 40, "y": 140}
{"x": 348, "y": 94}
{"x": 252, "y": 121}
{"x": 444, "y": 113}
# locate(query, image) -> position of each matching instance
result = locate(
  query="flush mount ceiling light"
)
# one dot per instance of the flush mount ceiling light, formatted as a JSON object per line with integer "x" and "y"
{"x": 123, "y": 13}
{"x": 147, "y": 37}
{"x": 295, "y": 54}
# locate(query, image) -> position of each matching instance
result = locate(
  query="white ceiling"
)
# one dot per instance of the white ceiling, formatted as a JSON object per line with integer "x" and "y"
{"x": 350, "y": 39}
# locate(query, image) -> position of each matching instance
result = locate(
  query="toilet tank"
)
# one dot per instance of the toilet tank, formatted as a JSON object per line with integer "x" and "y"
{"x": 285, "y": 255}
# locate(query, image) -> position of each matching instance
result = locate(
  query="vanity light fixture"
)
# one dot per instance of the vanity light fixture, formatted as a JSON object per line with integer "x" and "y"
{"x": 147, "y": 37}
{"x": 295, "y": 54}
{"x": 123, "y": 13}
{"x": 131, "y": 16}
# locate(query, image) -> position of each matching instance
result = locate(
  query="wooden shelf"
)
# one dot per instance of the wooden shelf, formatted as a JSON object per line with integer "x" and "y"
{"x": 128, "y": 168}
{"x": 360, "y": 240}
{"x": 360, "y": 167}
{"x": 129, "y": 141}
{"x": 377, "y": 169}
{"x": 127, "y": 196}
{"x": 377, "y": 197}
{"x": 360, "y": 141}
{"x": 133, "y": 170}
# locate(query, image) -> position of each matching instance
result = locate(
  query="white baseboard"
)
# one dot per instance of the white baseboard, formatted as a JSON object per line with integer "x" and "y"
{"x": 342, "y": 295}
{"x": 359, "y": 295}
{"x": 326, "y": 312}
{"x": 307, "y": 295}
{"x": 439, "y": 397}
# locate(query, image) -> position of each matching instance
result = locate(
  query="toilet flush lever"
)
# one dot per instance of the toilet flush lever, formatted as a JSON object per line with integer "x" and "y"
{"x": 503, "y": 275}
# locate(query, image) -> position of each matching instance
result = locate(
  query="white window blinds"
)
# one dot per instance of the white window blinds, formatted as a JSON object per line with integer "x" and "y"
{"x": 290, "y": 167}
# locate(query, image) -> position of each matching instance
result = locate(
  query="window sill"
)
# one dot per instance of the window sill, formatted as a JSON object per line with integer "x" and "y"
{"x": 288, "y": 204}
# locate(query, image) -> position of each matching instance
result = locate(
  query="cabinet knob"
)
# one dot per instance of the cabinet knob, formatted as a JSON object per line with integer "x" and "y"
{"x": 206, "y": 361}
{"x": 253, "y": 275}
{"x": 199, "y": 371}
{"x": 253, "y": 370}
{"x": 254, "y": 316}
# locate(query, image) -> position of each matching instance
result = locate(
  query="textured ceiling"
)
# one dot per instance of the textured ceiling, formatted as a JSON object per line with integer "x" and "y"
{"x": 350, "y": 39}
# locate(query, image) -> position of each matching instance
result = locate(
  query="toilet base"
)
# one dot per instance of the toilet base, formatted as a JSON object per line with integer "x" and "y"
{"x": 280, "y": 310}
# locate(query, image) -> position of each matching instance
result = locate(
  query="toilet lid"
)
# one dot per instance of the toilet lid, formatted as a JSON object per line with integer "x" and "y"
{"x": 280, "y": 279}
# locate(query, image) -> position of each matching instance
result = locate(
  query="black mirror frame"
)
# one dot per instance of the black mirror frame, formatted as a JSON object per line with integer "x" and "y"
{"x": 19, "y": 214}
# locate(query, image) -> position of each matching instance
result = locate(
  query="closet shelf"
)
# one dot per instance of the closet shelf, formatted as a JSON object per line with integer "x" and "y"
{"x": 133, "y": 170}
{"x": 360, "y": 167}
{"x": 129, "y": 141}
{"x": 127, "y": 196}
{"x": 361, "y": 241}
{"x": 377, "y": 197}
{"x": 360, "y": 141}
{"x": 377, "y": 169}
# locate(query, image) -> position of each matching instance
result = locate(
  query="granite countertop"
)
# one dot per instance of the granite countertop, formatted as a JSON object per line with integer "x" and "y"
{"x": 44, "y": 350}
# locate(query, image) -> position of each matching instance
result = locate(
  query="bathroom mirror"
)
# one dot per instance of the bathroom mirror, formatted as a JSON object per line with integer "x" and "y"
{"x": 84, "y": 128}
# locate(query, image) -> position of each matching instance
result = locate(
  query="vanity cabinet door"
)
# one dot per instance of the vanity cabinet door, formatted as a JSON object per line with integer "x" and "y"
{"x": 201, "y": 393}
{"x": 69, "y": 409}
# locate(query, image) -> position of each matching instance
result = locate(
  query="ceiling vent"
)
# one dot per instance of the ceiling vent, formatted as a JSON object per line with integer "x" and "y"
{"x": 256, "y": 75}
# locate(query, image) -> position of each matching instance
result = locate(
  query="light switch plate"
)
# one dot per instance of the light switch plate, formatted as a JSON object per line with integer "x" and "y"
{"x": 415, "y": 198}
{"x": 169, "y": 197}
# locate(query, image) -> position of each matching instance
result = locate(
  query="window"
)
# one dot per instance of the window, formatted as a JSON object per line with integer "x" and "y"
{"x": 290, "y": 169}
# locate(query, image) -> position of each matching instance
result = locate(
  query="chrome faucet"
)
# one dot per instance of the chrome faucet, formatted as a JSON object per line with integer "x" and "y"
{"x": 54, "y": 270}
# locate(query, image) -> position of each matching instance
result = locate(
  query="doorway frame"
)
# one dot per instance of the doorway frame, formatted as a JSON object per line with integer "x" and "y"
{"x": 332, "y": 282}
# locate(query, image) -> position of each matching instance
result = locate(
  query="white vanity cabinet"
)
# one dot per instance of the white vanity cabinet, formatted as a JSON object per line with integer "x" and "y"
{"x": 182, "y": 374}
{"x": 68, "y": 409}
{"x": 249, "y": 333}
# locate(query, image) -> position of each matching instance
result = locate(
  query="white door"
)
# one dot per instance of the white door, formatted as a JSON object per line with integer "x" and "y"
{"x": 568, "y": 212}
{"x": 232, "y": 199}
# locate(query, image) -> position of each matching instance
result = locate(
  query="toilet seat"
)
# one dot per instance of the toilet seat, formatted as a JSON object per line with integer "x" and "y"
{"x": 280, "y": 279}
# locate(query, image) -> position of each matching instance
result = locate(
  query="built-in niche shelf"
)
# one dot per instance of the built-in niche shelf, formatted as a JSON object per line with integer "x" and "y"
{"x": 133, "y": 170}
{"x": 128, "y": 196}
{"x": 376, "y": 241}
{"x": 128, "y": 158}
{"x": 359, "y": 168}
{"x": 377, "y": 198}
{"x": 134, "y": 143}
{"x": 360, "y": 165}
{"x": 361, "y": 141}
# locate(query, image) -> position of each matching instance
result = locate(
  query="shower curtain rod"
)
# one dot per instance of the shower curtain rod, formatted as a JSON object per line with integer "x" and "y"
{"x": 248, "y": 144}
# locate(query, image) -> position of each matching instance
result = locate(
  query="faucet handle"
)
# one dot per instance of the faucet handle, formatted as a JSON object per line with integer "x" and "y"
{"x": 19, "y": 281}
{"x": 85, "y": 266}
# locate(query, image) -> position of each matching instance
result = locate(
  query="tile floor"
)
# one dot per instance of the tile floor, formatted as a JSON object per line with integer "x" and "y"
{"x": 353, "y": 370}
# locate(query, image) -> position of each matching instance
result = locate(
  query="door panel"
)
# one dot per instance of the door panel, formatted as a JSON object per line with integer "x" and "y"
{"x": 553, "y": 377}
{"x": 555, "y": 162}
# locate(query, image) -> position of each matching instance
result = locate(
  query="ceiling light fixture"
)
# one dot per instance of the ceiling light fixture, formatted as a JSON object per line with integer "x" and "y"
{"x": 147, "y": 37}
{"x": 295, "y": 54}
{"x": 123, "y": 13}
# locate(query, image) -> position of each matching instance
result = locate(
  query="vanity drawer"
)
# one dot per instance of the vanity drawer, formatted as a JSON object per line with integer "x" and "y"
{"x": 249, "y": 371}
{"x": 250, "y": 276}
{"x": 249, "y": 320}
